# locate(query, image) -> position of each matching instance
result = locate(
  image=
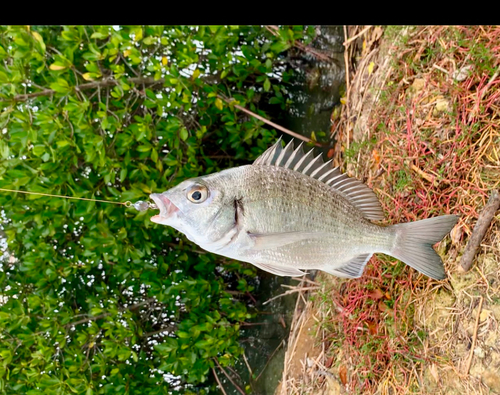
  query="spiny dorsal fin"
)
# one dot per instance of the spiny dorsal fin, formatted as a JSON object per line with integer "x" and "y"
{"x": 269, "y": 154}
{"x": 354, "y": 190}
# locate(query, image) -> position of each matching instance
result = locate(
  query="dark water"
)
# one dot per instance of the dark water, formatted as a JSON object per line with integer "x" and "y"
{"x": 317, "y": 86}
{"x": 265, "y": 342}
{"x": 315, "y": 92}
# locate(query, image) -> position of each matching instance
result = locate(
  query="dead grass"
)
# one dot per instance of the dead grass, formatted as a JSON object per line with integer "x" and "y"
{"x": 421, "y": 127}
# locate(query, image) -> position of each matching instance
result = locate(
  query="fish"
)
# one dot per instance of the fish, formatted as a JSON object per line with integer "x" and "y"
{"x": 290, "y": 211}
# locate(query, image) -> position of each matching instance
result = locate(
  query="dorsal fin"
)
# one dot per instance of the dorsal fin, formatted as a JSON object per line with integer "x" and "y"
{"x": 361, "y": 196}
{"x": 269, "y": 155}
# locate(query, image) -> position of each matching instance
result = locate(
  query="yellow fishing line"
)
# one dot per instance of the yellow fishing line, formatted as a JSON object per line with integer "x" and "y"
{"x": 126, "y": 204}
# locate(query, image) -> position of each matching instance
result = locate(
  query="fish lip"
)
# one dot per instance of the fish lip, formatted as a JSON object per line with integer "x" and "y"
{"x": 164, "y": 204}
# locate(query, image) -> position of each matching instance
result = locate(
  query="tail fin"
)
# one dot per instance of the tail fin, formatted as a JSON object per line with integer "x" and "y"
{"x": 415, "y": 241}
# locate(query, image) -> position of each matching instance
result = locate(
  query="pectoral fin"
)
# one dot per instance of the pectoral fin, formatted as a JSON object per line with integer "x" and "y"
{"x": 265, "y": 241}
{"x": 279, "y": 270}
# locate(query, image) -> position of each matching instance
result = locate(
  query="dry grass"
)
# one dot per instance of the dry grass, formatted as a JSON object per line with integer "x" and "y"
{"x": 421, "y": 127}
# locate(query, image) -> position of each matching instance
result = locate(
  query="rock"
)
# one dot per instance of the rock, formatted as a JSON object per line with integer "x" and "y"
{"x": 484, "y": 314}
{"x": 418, "y": 84}
{"x": 479, "y": 352}
{"x": 462, "y": 74}
{"x": 440, "y": 106}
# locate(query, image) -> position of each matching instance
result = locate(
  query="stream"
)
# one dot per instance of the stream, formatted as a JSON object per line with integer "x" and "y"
{"x": 315, "y": 92}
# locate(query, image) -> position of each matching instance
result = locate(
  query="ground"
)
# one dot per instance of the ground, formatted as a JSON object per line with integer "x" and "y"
{"x": 418, "y": 124}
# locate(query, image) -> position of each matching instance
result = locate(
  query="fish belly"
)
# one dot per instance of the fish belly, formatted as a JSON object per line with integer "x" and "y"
{"x": 324, "y": 254}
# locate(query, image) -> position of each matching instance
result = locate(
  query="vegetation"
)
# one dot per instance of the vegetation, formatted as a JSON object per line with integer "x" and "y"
{"x": 432, "y": 135}
{"x": 94, "y": 298}
{"x": 421, "y": 125}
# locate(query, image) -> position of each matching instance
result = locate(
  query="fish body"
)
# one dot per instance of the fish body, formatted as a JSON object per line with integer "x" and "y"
{"x": 290, "y": 211}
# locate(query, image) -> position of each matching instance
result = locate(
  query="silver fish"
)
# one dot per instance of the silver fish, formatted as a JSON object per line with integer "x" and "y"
{"x": 290, "y": 211}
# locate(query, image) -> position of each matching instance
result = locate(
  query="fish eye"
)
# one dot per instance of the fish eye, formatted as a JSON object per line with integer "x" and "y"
{"x": 197, "y": 194}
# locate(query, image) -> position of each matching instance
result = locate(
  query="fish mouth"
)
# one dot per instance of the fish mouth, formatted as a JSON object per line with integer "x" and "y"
{"x": 166, "y": 207}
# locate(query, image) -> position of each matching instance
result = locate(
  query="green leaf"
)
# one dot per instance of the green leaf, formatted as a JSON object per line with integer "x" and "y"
{"x": 183, "y": 134}
{"x": 154, "y": 155}
{"x": 63, "y": 143}
{"x": 123, "y": 174}
{"x": 57, "y": 66}
{"x": 202, "y": 344}
{"x": 3, "y": 77}
{"x": 144, "y": 148}
{"x": 39, "y": 39}
{"x": 4, "y": 150}
{"x": 60, "y": 86}
{"x": 218, "y": 103}
{"x": 149, "y": 40}
{"x": 94, "y": 311}
{"x": 3, "y": 53}
{"x": 98, "y": 35}
{"x": 267, "y": 85}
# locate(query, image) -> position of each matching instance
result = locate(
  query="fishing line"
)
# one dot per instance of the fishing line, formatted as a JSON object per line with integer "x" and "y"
{"x": 139, "y": 205}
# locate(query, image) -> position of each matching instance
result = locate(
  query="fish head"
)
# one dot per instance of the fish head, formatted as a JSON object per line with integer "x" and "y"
{"x": 195, "y": 207}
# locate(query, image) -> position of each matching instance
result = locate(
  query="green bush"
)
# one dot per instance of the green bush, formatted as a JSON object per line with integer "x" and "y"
{"x": 98, "y": 299}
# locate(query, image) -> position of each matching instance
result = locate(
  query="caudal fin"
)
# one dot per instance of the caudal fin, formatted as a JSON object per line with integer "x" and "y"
{"x": 415, "y": 241}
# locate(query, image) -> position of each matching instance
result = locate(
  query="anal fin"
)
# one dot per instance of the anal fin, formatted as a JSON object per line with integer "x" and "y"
{"x": 279, "y": 270}
{"x": 351, "y": 269}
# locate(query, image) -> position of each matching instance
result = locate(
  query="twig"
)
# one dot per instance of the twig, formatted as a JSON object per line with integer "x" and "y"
{"x": 254, "y": 323}
{"x": 317, "y": 54}
{"x": 321, "y": 56}
{"x": 440, "y": 68}
{"x": 346, "y": 57}
{"x": 424, "y": 175}
{"x": 474, "y": 336}
{"x": 164, "y": 329}
{"x": 98, "y": 317}
{"x": 347, "y": 41}
{"x": 285, "y": 130}
{"x": 248, "y": 365}
{"x": 269, "y": 359}
{"x": 296, "y": 319}
{"x": 302, "y": 322}
{"x": 304, "y": 279}
{"x": 218, "y": 382}
{"x": 229, "y": 378}
{"x": 152, "y": 81}
{"x": 290, "y": 291}
{"x": 482, "y": 224}
{"x": 90, "y": 85}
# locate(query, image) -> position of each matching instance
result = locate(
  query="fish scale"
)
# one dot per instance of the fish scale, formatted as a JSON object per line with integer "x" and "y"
{"x": 290, "y": 211}
{"x": 347, "y": 234}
